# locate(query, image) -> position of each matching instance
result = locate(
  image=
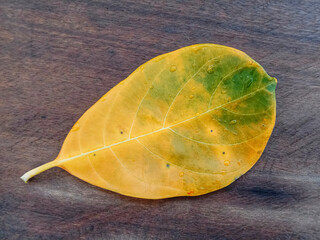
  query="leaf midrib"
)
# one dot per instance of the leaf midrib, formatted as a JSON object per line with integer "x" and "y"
{"x": 161, "y": 129}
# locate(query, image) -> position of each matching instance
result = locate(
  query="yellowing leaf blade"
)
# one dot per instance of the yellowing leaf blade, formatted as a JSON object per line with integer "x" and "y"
{"x": 183, "y": 124}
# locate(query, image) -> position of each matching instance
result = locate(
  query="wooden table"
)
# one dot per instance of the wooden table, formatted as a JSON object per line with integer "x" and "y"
{"x": 57, "y": 58}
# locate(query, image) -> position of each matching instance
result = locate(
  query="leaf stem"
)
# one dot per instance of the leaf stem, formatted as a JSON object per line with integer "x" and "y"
{"x": 38, "y": 170}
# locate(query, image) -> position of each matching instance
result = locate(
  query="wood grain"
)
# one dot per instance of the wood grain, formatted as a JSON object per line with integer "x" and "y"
{"x": 58, "y": 57}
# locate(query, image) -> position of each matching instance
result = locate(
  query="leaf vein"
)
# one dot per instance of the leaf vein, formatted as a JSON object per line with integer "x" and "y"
{"x": 134, "y": 119}
{"x": 248, "y": 114}
{"x": 130, "y": 172}
{"x": 181, "y": 167}
{"x": 213, "y": 144}
{"x": 174, "y": 99}
{"x": 222, "y": 79}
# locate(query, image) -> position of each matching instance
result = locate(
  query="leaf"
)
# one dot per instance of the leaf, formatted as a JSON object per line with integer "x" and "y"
{"x": 185, "y": 123}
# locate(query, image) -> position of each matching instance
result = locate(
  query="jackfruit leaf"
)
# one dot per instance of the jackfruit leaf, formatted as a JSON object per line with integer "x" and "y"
{"x": 185, "y": 123}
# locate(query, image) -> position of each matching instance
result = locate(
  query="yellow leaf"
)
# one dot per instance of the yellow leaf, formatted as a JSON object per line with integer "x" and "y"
{"x": 185, "y": 123}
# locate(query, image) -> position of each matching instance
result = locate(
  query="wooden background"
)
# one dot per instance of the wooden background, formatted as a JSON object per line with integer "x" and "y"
{"x": 57, "y": 58}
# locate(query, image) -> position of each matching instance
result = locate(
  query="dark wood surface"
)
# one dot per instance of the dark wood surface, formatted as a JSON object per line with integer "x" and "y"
{"x": 57, "y": 58}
